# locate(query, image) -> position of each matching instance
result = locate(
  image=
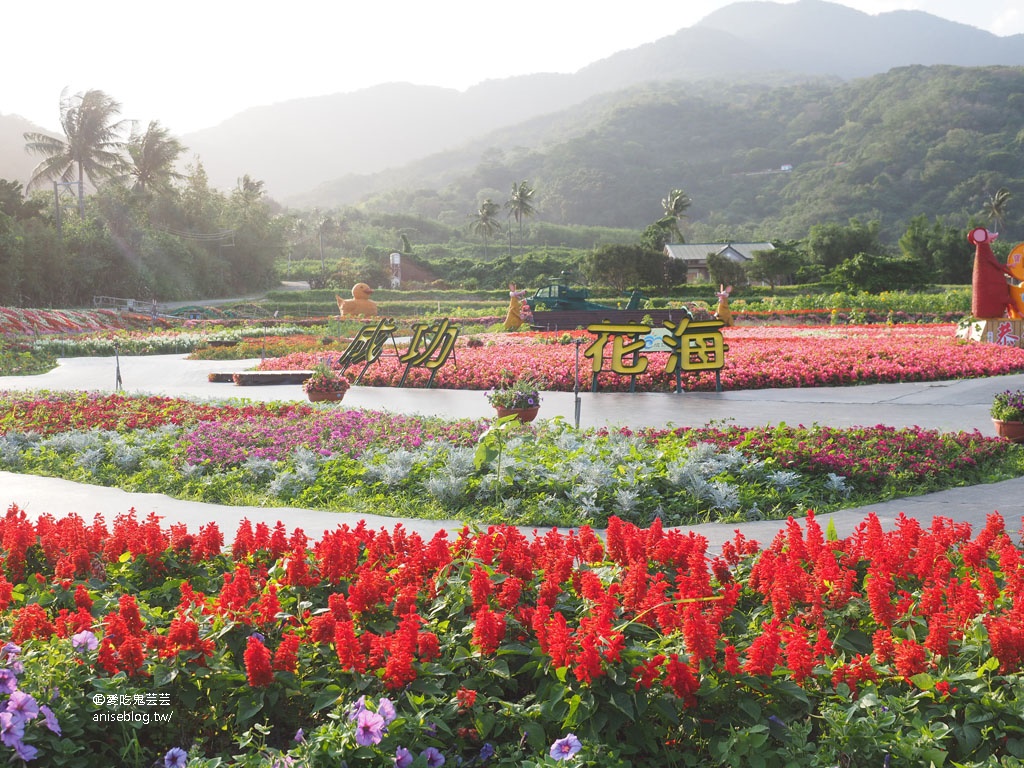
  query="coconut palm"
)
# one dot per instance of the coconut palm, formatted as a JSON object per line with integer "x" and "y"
{"x": 520, "y": 205}
{"x": 995, "y": 207}
{"x": 674, "y": 205}
{"x": 484, "y": 222}
{"x": 92, "y": 149}
{"x": 152, "y": 156}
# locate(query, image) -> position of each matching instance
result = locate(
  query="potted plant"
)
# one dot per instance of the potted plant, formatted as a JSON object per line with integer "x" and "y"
{"x": 520, "y": 398}
{"x": 325, "y": 384}
{"x": 1008, "y": 414}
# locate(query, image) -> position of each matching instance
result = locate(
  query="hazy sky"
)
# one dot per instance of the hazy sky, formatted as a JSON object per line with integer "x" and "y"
{"x": 193, "y": 63}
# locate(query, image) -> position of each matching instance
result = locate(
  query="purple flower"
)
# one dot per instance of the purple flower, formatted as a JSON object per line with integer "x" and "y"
{"x": 8, "y": 681}
{"x": 50, "y": 719}
{"x": 300, "y": 736}
{"x": 434, "y": 757}
{"x": 10, "y": 649}
{"x": 22, "y": 706}
{"x": 11, "y": 729}
{"x": 566, "y": 747}
{"x": 176, "y": 757}
{"x": 387, "y": 710}
{"x": 356, "y": 709}
{"x": 25, "y": 751}
{"x": 486, "y": 752}
{"x": 369, "y": 728}
{"x": 403, "y": 758}
{"x": 84, "y": 641}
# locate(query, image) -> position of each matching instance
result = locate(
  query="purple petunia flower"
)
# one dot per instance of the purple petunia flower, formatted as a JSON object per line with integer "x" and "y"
{"x": 486, "y": 752}
{"x": 356, "y": 709}
{"x": 50, "y": 719}
{"x": 434, "y": 757}
{"x": 22, "y": 706}
{"x": 369, "y": 728}
{"x": 387, "y": 710}
{"x": 84, "y": 641}
{"x": 8, "y": 681}
{"x": 300, "y": 736}
{"x": 566, "y": 747}
{"x": 25, "y": 751}
{"x": 11, "y": 729}
{"x": 403, "y": 758}
{"x": 176, "y": 757}
{"x": 10, "y": 649}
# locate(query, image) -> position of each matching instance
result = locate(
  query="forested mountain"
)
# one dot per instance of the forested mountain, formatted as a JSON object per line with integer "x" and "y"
{"x": 753, "y": 42}
{"x": 717, "y": 109}
{"x": 757, "y": 161}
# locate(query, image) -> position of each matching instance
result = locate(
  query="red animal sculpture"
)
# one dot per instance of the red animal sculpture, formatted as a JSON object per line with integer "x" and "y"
{"x": 990, "y": 298}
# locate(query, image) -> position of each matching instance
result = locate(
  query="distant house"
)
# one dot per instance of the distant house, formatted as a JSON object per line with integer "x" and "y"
{"x": 695, "y": 256}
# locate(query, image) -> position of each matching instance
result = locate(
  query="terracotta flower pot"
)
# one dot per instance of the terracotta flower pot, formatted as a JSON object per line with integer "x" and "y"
{"x": 523, "y": 414}
{"x": 1011, "y": 430}
{"x": 325, "y": 397}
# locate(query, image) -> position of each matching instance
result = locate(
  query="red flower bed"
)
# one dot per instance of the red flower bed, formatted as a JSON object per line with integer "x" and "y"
{"x": 758, "y": 358}
{"x": 676, "y": 646}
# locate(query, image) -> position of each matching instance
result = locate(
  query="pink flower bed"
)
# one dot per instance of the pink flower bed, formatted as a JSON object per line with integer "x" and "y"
{"x": 764, "y": 357}
{"x": 18, "y": 322}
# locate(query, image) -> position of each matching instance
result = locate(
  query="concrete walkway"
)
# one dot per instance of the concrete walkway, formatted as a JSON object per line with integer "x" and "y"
{"x": 948, "y": 405}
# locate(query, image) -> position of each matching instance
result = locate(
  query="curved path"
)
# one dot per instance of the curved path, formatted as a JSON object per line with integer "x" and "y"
{"x": 948, "y": 405}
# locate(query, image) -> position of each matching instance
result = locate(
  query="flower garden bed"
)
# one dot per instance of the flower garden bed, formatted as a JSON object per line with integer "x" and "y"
{"x": 370, "y": 462}
{"x": 133, "y": 644}
{"x": 758, "y": 358}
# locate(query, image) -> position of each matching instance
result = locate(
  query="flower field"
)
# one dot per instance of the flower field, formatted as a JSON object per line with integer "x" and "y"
{"x": 15, "y": 321}
{"x": 132, "y": 644}
{"x": 758, "y": 358}
{"x": 548, "y": 474}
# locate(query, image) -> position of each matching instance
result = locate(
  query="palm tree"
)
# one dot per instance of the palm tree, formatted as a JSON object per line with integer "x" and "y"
{"x": 995, "y": 207}
{"x": 674, "y": 205}
{"x": 484, "y": 222}
{"x": 152, "y": 156}
{"x": 520, "y": 205}
{"x": 93, "y": 146}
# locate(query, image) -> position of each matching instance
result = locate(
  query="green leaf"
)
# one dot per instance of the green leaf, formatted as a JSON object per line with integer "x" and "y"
{"x": 623, "y": 702}
{"x": 249, "y": 706}
{"x": 924, "y": 681}
{"x": 535, "y": 736}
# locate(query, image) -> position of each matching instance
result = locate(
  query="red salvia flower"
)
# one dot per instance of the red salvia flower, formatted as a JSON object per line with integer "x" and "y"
{"x": 488, "y": 630}
{"x": 680, "y": 678}
{"x": 257, "y": 663}
{"x": 466, "y": 697}
{"x": 287, "y": 654}
{"x": 909, "y": 657}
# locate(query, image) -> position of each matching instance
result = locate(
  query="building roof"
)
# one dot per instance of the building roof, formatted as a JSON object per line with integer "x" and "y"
{"x": 699, "y": 251}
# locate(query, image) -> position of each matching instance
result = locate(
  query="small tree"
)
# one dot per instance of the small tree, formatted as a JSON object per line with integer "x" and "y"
{"x": 831, "y": 244}
{"x": 725, "y": 271}
{"x": 776, "y": 266}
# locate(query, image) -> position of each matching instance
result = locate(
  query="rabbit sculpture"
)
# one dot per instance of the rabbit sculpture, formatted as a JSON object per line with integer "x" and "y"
{"x": 722, "y": 312}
